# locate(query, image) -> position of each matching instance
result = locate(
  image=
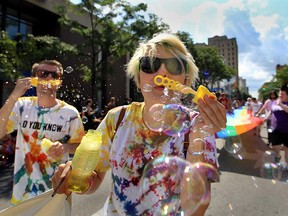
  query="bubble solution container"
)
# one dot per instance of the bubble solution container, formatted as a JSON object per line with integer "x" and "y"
{"x": 84, "y": 161}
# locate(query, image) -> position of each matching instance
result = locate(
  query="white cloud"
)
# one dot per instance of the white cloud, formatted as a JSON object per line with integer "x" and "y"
{"x": 263, "y": 24}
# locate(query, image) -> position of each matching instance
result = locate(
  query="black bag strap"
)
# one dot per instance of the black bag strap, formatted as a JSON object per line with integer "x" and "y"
{"x": 121, "y": 116}
{"x": 186, "y": 143}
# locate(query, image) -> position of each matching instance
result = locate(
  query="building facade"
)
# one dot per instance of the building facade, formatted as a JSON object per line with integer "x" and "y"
{"x": 228, "y": 49}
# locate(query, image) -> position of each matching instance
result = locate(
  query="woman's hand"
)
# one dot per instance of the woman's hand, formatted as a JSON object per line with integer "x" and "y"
{"x": 213, "y": 113}
{"x": 60, "y": 174}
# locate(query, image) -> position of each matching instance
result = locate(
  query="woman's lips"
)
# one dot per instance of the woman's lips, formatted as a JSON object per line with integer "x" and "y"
{"x": 159, "y": 88}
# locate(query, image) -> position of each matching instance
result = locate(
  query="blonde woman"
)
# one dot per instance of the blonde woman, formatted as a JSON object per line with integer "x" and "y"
{"x": 128, "y": 151}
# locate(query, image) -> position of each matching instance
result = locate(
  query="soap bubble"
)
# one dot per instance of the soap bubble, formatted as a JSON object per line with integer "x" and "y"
{"x": 170, "y": 185}
{"x": 84, "y": 119}
{"x": 233, "y": 145}
{"x": 266, "y": 170}
{"x": 171, "y": 119}
{"x": 147, "y": 88}
{"x": 69, "y": 69}
{"x": 84, "y": 109}
{"x": 280, "y": 172}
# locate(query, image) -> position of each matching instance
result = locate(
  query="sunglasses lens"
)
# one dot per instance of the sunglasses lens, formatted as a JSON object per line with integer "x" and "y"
{"x": 173, "y": 65}
{"x": 145, "y": 65}
{"x": 44, "y": 74}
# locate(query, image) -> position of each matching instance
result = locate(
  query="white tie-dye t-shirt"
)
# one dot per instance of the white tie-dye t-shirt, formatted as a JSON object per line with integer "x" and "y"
{"x": 33, "y": 168}
{"x": 133, "y": 147}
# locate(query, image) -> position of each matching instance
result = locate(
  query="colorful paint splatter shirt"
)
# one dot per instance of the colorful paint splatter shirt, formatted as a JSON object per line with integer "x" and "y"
{"x": 33, "y": 168}
{"x": 134, "y": 145}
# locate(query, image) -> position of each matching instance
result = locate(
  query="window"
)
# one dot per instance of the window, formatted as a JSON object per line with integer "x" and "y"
{"x": 15, "y": 24}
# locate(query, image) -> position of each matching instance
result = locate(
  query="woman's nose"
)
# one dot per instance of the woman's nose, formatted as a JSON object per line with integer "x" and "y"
{"x": 162, "y": 70}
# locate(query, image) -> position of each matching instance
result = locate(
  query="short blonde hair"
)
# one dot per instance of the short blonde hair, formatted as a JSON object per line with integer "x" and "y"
{"x": 173, "y": 45}
{"x": 48, "y": 62}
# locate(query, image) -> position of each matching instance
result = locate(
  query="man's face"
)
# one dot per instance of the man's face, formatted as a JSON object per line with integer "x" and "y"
{"x": 49, "y": 78}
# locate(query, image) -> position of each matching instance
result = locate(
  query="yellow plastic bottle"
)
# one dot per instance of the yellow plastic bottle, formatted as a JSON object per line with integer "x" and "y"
{"x": 84, "y": 161}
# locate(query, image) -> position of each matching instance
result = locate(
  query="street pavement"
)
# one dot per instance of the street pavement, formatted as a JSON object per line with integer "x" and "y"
{"x": 244, "y": 188}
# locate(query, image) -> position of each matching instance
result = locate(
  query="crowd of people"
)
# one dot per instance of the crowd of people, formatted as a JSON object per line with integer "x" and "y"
{"x": 128, "y": 146}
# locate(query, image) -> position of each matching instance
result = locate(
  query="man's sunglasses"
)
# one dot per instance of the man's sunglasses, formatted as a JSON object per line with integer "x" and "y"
{"x": 173, "y": 65}
{"x": 45, "y": 73}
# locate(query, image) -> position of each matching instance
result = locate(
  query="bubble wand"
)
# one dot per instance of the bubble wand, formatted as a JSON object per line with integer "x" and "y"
{"x": 177, "y": 86}
{"x": 35, "y": 82}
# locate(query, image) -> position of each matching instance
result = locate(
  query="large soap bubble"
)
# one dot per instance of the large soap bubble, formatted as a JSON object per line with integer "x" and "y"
{"x": 173, "y": 186}
{"x": 171, "y": 119}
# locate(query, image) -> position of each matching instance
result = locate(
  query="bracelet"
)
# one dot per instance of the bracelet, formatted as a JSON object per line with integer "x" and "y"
{"x": 195, "y": 153}
{"x": 90, "y": 186}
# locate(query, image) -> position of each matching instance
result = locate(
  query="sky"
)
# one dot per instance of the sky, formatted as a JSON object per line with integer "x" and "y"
{"x": 259, "y": 26}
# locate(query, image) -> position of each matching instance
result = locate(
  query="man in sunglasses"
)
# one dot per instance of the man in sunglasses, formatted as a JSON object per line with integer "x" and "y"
{"x": 36, "y": 118}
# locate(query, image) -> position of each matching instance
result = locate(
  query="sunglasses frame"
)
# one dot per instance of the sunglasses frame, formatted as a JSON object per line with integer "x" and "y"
{"x": 160, "y": 61}
{"x": 45, "y": 73}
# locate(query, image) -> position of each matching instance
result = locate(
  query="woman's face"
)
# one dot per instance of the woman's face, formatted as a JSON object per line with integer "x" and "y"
{"x": 273, "y": 96}
{"x": 283, "y": 95}
{"x": 147, "y": 80}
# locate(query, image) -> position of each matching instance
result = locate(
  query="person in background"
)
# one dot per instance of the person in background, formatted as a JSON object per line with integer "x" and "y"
{"x": 236, "y": 103}
{"x": 279, "y": 124}
{"x": 248, "y": 105}
{"x": 134, "y": 145}
{"x": 267, "y": 107}
{"x": 111, "y": 104}
{"x": 128, "y": 101}
{"x": 225, "y": 101}
{"x": 92, "y": 121}
{"x": 36, "y": 118}
{"x": 256, "y": 106}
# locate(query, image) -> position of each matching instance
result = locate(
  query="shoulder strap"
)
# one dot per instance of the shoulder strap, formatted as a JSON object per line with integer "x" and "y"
{"x": 186, "y": 144}
{"x": 121, "y": 116}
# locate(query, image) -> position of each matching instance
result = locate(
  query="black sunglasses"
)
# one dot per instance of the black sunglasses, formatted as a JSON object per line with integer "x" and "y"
{"x": 45, "y": 73}
{"x": 173, "y": 65}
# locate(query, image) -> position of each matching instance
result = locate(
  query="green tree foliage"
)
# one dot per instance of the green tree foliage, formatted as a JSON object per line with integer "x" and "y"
{"x": 8, "y": 57}
{"x": 188, "y": 41}
{"x": 282, "y": 75}
{"x": 115, "y": 29}
{"x": 17, "y": 56}
{"x": 267, "y": 88}
{"x": 34, "y": 49}
{"x": 275, "y": 84}
{"x": 211, "y": 66}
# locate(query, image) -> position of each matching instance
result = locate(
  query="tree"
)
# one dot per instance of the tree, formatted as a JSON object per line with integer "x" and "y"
{"x": 115, "y": 29}
{"x": 267, "y": 88}
{"x": 282, "y": 75}
{"x": 8, "y": 58}
{"x": 211, "y": 66}
{"x": 37, "y": 48}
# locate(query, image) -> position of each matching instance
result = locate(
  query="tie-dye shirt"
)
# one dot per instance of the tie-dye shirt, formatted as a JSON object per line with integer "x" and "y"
{"x": 133, "y": 147}
{"x": 33, "y": 168}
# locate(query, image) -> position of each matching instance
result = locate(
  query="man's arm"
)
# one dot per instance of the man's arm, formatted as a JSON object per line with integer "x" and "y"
{"x": 21, "y": 86}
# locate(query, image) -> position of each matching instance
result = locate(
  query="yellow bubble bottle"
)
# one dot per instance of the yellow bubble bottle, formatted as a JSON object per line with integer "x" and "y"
{"x": 84, "y": 161}
{"x": 45, "y": 145}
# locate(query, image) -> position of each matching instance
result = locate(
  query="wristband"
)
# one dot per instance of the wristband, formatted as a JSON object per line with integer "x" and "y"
{"x": 90, "y": 186}
{"x": 196, "y": 153}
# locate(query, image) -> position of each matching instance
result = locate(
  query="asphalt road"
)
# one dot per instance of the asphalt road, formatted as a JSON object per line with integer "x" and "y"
{"x": 243, "y": 188}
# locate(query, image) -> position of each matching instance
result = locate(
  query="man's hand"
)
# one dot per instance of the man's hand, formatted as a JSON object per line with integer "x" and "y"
{"x": 22, "y": 85}
{"x": 56, "y": 151}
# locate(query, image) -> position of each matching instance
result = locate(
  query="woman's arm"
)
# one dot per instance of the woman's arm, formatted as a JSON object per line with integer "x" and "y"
{"x": 61, "y": 173}
{"x": 213, "y": 113}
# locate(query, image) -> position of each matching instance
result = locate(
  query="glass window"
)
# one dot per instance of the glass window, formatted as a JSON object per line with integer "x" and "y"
{"x": 11, "y": 26}
{"x": 25, "y": 27}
